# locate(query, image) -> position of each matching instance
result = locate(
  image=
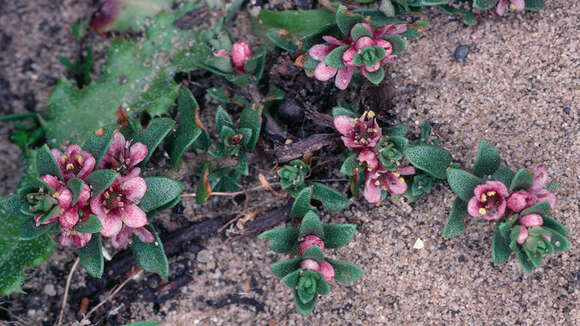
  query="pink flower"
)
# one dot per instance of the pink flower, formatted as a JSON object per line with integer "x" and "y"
{"x": 359, "y": 134}
{"x": 309, "y": 241}
{"x": 383, "y": 179}
{"x": 123, "y": 238}
{"x": 71, "y": 237}
{"x": 240, "y": 54}
{"x": 523, "y": 199}
{"x": 123, "y": 157}
{"x": 310, "y": 264}
{"x": 117, "y": 205}
{"x": 517, "y": 5}
{"x": 324, "y": 72}
{"x": 527, "y": 221}
{"x": 489, "y": 201}
{"x": 326, "y": 270}
{"x": 68, "y": 214}
{"x": 74, "y": 162}
{"x": 519, "y": 200}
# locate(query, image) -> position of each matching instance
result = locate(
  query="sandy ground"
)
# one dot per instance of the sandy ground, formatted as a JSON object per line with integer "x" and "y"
{"x": 519, "y": 88}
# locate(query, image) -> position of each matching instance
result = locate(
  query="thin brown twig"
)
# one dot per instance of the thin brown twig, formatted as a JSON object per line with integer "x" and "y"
{"x": 66, "y": 289}
{"x": 113, "y": 293}
{"x": 192, "y": 195}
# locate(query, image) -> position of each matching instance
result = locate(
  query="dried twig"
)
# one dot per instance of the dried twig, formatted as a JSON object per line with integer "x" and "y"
{"x": 192, "y": 195}
{"x": 66, "y": 289}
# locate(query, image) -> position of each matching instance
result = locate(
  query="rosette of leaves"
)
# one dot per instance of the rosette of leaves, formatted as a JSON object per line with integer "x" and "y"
{"x": 293, "y": 180}
{"x": 308, "y": 284}
{"x": 546, "y": 239}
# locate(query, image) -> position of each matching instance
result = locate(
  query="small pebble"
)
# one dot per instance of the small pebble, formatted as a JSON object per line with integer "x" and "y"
{"x": 419, "y": 244}
{"x": 461, "y": 52}
{"x": 50, "y": 290}
{"x": 204, "y": 256}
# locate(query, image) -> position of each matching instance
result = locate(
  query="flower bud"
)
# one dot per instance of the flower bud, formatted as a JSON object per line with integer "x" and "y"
{"x": 327, "y": 271}
{"x": 531, "y": 220}
{"x": 240, "y": 54}
{"x": 518, "y": 201}
{"x": 309, "y": 241}
{"x": 310, "y": 264}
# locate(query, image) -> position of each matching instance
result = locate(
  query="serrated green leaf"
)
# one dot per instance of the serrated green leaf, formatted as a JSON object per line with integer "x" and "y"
{"x": 91, "y": 256}
{"x": 251, "y": 118}
{"x": 330, "y": 198}
{"x": 542, "y": 208}
{"x": 160, "y": 191}
{"x": 462, "y": 183}
{"x": 285, "y": 267}
{"x": 345, "y": 272}
{"x": 430, "y": 158}
{"x": 487, "y": 160}
{"x": 46, "y": 164}
{"x": 75, "y": 185}
{"x": 337, "y": 235}
{"x": 346, "y": 20}
{"x": 455, "y": 224}
{"x": 334, "y": 58}
{"x": 150, "y": 256}
{"x": 29, "y": 231}
{"x": 188, "y": 131}
{"x": 525, "y": 263}
{"x": 554, "y": 225}
{"x": 303, "y": 308}
{"x": 504, "y": 175}
{"x": 500, "y": 249}
{"x": 292, "y": 279}
{"x": 523, "y": 180}
{"x": 314, "y": 253}
{"x": 98, "y": 145}
{"x": 91, "y": 225}
{"x": 301, "y": 204}
{"x": 398, "y": 43}
{"x": 222, "y": 118}
{"x": 311, "y": 225}
{"x": 376, "y": 77}
{"x": 152, "y": 136}
{"x": 282, "y": 240}
{"x": 100, "y": 180}
{"x": 484, "y": 4}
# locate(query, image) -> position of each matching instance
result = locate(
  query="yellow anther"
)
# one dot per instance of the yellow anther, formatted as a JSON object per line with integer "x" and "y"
{"x": 396, "y": 174}
{"x": 124, "y": 218}
{"x": 70, "y": 166}
{"x": 371, "y": 114}
{"x": 483, "y": 198}
{"x": 63, "y": 159}
{"x": 79, "y": 159}
{"x": 482, "y": 211}
{"x": 385, "y": 188}
{"x": 512, "y": 6}
{"x": 401, "y": 180}
{"x": 491, "y": 193}
{"x": 377, "y": 183}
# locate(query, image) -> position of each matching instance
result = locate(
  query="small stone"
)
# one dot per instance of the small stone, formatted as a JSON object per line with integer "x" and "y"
{"x": 290, "y": 112}
{"x": 50, "y": 290}
{"x": 369, "y": 310}
{"x": 461, "y": 52}
{"x": 419, "y": 244}
{"x": 204, "y": 256}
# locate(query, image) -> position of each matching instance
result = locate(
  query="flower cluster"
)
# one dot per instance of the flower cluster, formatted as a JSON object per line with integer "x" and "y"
{"x": 115, "y": 207}
{"x": 324, "y": 268}
{"x": 365, "y": 49}
{"x": 377, "y": 153}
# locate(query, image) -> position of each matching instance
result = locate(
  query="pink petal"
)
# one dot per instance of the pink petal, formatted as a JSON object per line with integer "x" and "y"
{"x": 372, "y": 191}
{"x": 518, "y": 5}
{"x": 373, "y": 68}
{"x": 144, "y": 235}
{"x": 112, "y": 224}
{"x": 502, "y": 205}
{"x": 134, "y": 188}
{"x": 385, "y": 45}
{"x": 500, "y": 9}
{"x": 309, "y": 241}
{"x": 69, "y": 218}
{"x": 320, "y": 51}
{"x": 344, "y": 124}
{"x": 137, "y": 153}
{"x": 88, "y": 166}
{"x": 546, "y": 196}
{"x": 323, "y": 72}
{"x": 57, "y": 156}
{"x": 332, "y": 40}
{"x": 396, "y": 185}
{"x": 523, "y": 235}
{"x": 541, "y": 178}
{"x": 133, "y": 216}
{"x": 348, "y": 56}
{"x": 52, "y": 181}
{"x": 240, "y": 54}
{"x": 64, "y": 197}
{"x": 531, "y": 220}
{"x": 390, "y": 29}
{"x": 85, "y": 196}
{"x": 309, "y": 264}
{"x": 363, "y": 42}
{"x": 473, "y": 207}
{"x": 369, "y": 157}
{"x": 407, "y": 170}
{"x": 81, "y": 239}
{"x": 326, "y": 270}
{"x": 121, "y": 239}
{"x": 343, "y": 77}
{"x": 518, "y": 201}
{"x": 97, "y": 207}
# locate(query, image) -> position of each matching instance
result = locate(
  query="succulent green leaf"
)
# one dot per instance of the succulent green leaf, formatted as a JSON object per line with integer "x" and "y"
{"x": 559, "y": 241}
{"x": 525, "y": 263}
{"x": 91, "y": 256}
{"x": 91, "y": 225}
{"x": 334, "y": 58}
{"x": 455, "y": 224}
{"x": 338, "y": 111}
{"x": 346, "y": 20}
{"x": 219, "y": 94}
{"x": 251, "y": 118}
{"x": 75, "y": 185}
{"x": 152, "y": 136}
{"x": 401, "y": 143}
{"x": 359, "y": 31}
{"x": 285, "y": 267}
{"x": 311, "y": 225}
{"x": 298, "y": 22}
{"x": 504, "y": 175}
{"x": 331, "y": 199}
{"x": 98, "y": 145}
{"x": 256, "y": 64}
{"x": 500, "y": 249}
{"x": 46, "y": 164}
{"x": 29, "y": 231}
{"x": 282, "y": 240}
{"x": 301, "y": 204}
{"x": 523, "y": 180}
{"x": 314, "y": 253}
{"x": 514, "y": 234}
{"x": 430, "y": 158}
{"x": 322, "y": 286}
{"x": 151, "y": 256}
{"x": 222, "y": 118}
{"x": 345, "y": 272}
{"x": 542, "y": 208}
{"x": 376, "y": 77}
{"x": 160, "y": 191}
{"x": 462, "y": 183}
{"x": 303, "y": 308}
{"x": 397, "y": 130}
{"x": 534, "y": 5}
{"x": 554, "y": 225}
{"x": 534, "y": 256}
{"x": 398, "y": 43}
{"x": 484, "y": 4}
{"x": 12, "y": 205}
{"x": 487, "y": 160}
{"x": 100, "y": 180}
{"x": 349, "y": 164}
{"x": 506, "y": 227}
{"x": 337, "y": 235}
{"x": 292, "y": 279}
{"x": 188, "y": 130}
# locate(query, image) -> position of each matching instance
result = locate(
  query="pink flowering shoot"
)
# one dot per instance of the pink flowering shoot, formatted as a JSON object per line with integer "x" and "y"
{"x": 74, "y": 162}
{"x": 359, "y": 134}
{"x": 381, "y": 179}
{"x": 123, "y": 157}
{"x": 522, "y": 199}
{"x": 526, "y": 222}
{"x": 489, "y": 201}
{"x": 517, "y": 5}
{"x": 123, "y": 238}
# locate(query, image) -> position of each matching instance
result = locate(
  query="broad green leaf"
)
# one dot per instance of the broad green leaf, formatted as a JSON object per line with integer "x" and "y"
{"x": 559, "y": 241}
{"x": 542, "y": 208}
{"x": 337, "y": 235}
{"x": 251, "y": 118}
{"x": 397, "y": 130}
{"x": 75, "y": 185}
{"x": 534, "y": 5}
{"x": 430, "y": 158}
{"x": 504, "y": 175}
{"x": 222, "y": 119}
{"x": 534, "y": 256}
{"x": 331, "y": 199}
{"x": 12, "y": 205}
{"x": 46, "y": 164}
{"x": 554, "y": 225}
{"x": 338, "y": 111}
{"x": 160, "y": 191}
{"x": 301, "y": 204}
{"x": 523, "y": 180}
{"x": 314, "y": 253}
{"x": 100, "y": 180}
{"x": 188, "y": 130}
{"x": 91, "y": 256}
{"x": 349, "y": 164}
{"x": 398, "y": 43}
{"x": 455, "y": 224}
{"x": 311, "y": 225}
{"x": 345, "y": 272}
{"x": 303, "y": 308}
{"x": 285, "y": 267}
{"x": 297, "y": 22}
{"x": 256, "y": 64}
{"x": 359, "y": 31}
{"x": 334, "y": 58}
{"x": 91, "y": 225}
{"x": 376, "y": 77}
{"x": 150, "y": 256}
{"x": 98, "y": 143}
{"x": 219, "y": 94}
{"x": 17, "y": 255}
{"x": 484, "y": 4}
{"x": 506, "y": 227}
{"x": 29, "y": 231}
{"x": 525, "y": 263}
{"x": 282, "y": 240}
{"x": 500, "y": 249}
{"x": 292, "y": 279}
{"x": 322, "y": 286}
{"x": 287, "y": 45}
{"x": 346, "y": 20}
{"x": 487, "y": 160}
{"x": 462, "y": 183}
{"x": 152, "y": 136}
